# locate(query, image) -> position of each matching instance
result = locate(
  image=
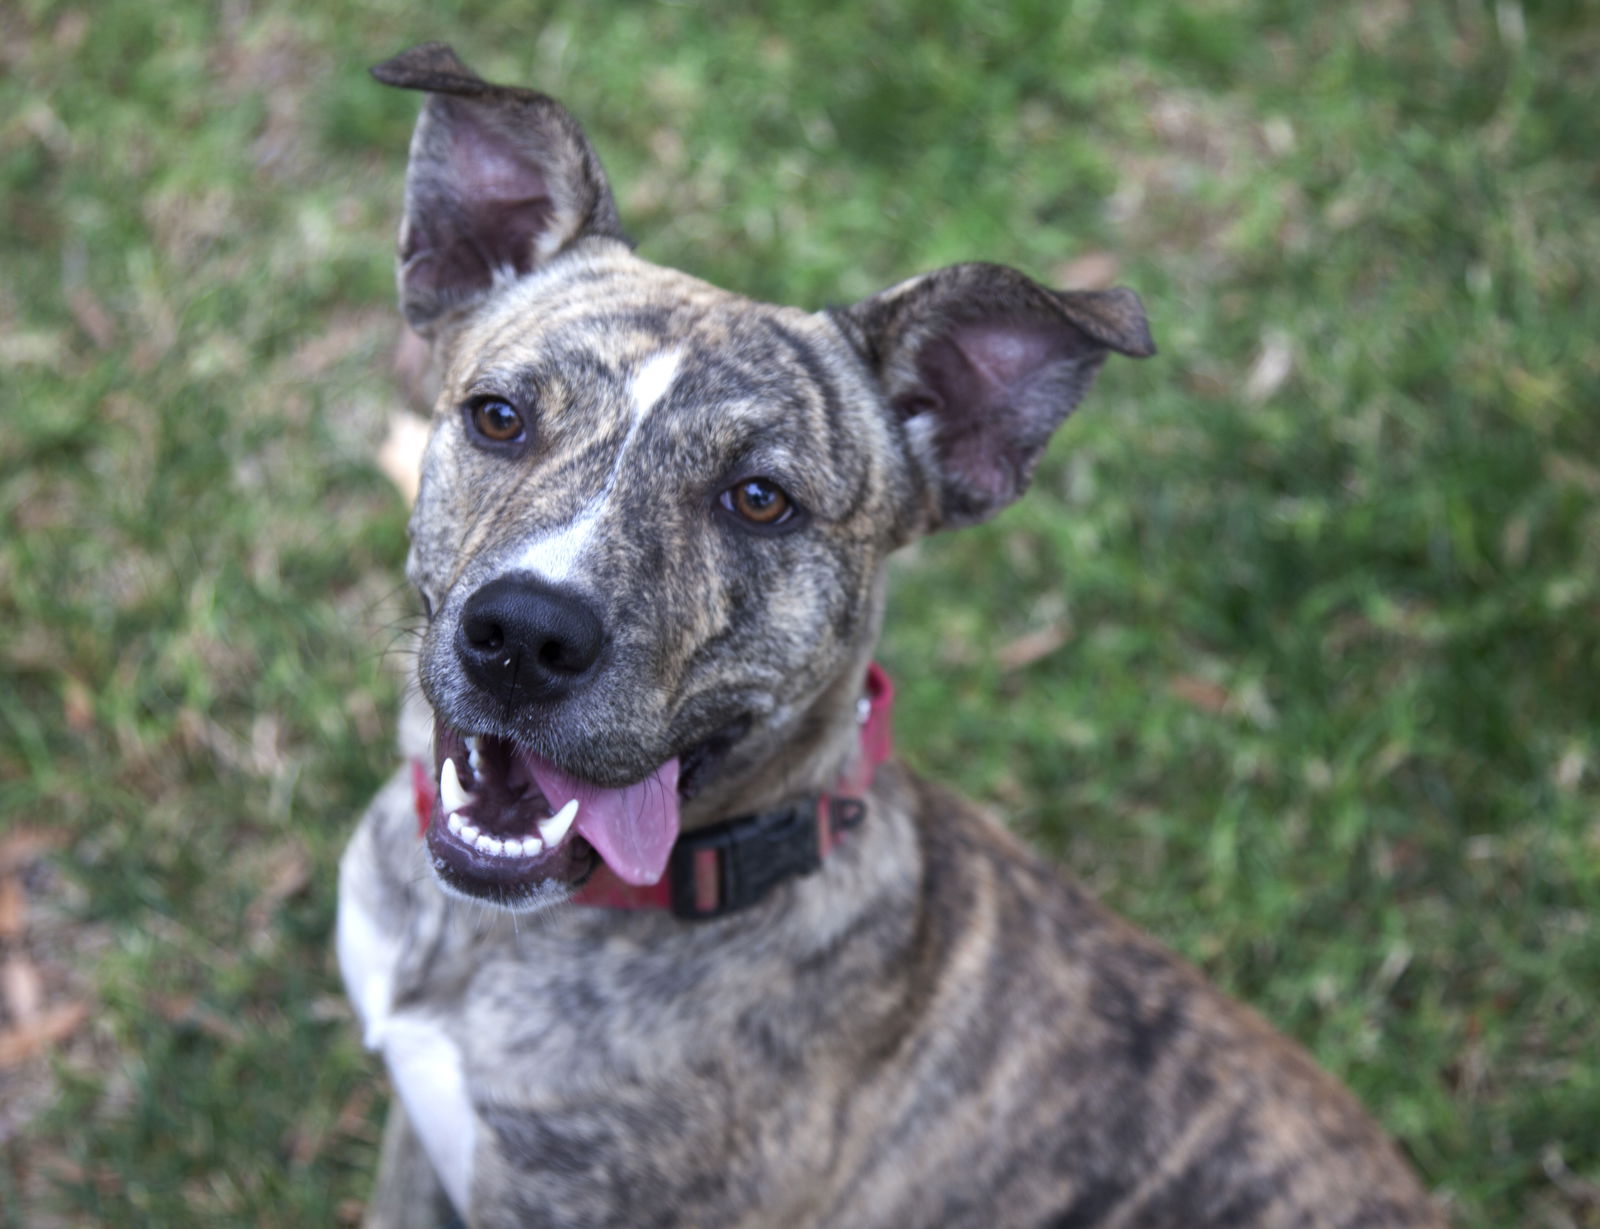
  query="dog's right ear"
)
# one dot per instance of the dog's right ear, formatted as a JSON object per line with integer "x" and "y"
{"x": 982, "y": 363}
{"x": 500, "y": 180}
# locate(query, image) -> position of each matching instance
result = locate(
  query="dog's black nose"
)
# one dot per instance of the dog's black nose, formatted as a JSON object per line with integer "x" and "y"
{"x": 523, "y": 639}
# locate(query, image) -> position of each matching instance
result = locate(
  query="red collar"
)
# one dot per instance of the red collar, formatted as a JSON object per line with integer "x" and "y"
{"x": 730, "y": 865}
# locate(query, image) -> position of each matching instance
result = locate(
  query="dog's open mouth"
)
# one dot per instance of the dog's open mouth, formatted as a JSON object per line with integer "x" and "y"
{"x": 506, "y": 822}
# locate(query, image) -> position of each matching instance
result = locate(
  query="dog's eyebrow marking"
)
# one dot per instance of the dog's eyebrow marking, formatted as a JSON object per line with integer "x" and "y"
{"x": 554, "y": 554}
{"x": 650, "y": 383}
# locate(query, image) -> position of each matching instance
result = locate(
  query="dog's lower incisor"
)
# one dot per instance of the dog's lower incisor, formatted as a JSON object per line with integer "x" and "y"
{"x": 649, "y": 936}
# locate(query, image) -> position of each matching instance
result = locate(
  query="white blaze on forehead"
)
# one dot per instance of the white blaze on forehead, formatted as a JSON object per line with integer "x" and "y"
{"x": 651, "y": 382}
{"x": 555, "y": 554}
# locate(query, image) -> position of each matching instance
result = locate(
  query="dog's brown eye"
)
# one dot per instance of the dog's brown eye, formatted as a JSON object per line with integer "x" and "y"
{"x": 495, "y": 420}
{"x": 759, "y": 501}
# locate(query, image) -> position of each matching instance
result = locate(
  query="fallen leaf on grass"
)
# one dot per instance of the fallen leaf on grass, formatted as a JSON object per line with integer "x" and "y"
{"x": 353, "y": 1117}
{"x": 326, "y": 1008}
{"x": 17, "y": 1045}
{"x": 291, "y": 873}
{"x": 1091, "y": 271}
{"x": 77, "y": 705}
{"x": 1202, "y": 693}
{"x": 1033, "y": 646}
{"x": 68, "y": 1172}
{"x": 1563, "y": 470}
{"x": 92, "y": 317}
{"x": 24, "y": 845}
{"x": 35, "y": 347}
{"x": 1273, "y": 365}
{"x": 187, "y": 1011}
{"x": 13, "y": 907}
{"x": 1574, "y": 1186}
{"x": 22, "y": 989}
{"x": 400, "y": 455}
{"x": 306, "y": 1143}
{"x": 413, "y": 371}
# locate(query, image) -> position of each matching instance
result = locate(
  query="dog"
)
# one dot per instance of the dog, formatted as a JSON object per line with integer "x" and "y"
{"x": 652, "y": 930}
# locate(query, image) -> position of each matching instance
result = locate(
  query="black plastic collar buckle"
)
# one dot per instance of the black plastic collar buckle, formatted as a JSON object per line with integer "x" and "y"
{"x": 753, "y": 855}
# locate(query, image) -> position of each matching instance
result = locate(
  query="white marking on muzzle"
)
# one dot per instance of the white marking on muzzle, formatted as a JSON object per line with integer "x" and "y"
{"x": 555, "y": 554}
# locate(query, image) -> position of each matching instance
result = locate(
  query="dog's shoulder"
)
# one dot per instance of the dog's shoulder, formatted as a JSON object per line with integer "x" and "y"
{"x": 1157, "y": 1091}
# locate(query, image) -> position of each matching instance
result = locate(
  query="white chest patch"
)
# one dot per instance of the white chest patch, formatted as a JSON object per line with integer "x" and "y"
{"x": 557, "y": 555}
{"x": 425, "y": 1065}
{"x": 424, "y": 1062}
{"x": 367, "y": 957}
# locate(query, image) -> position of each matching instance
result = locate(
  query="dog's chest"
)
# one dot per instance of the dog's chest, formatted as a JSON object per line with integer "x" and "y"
{"x": 481, "y": 1046}
{"x": 557, "y": 1075}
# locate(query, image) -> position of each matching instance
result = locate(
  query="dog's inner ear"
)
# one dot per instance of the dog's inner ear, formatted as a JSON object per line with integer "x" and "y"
{"x": 984, "y": 364}
{"x": 500, "y": 180}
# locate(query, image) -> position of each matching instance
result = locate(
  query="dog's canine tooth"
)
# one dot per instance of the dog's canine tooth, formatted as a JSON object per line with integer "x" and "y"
{"x": 552, "y": 830}
{"x": 452, "y": 796}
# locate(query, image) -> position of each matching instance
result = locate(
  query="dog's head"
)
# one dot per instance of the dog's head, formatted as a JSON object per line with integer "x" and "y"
{"x": 654, "y": 514}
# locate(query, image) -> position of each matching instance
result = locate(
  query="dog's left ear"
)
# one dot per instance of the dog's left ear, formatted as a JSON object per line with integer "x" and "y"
{"x": 500, "y": 180}
{"x": 983, "y": 364}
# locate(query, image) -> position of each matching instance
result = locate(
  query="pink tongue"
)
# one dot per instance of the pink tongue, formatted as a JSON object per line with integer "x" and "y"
{"x": 633, "y": 829}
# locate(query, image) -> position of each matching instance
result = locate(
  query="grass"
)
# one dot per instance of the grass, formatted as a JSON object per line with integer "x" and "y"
{"x": 1291, "y": 652}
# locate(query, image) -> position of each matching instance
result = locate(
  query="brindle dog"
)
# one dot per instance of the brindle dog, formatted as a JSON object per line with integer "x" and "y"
{"x": 650, "y": 544}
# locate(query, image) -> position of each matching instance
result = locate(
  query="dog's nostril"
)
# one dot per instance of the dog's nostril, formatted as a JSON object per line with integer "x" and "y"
{"x": 520, "y": 634}
{"x": 484, "y": 634}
